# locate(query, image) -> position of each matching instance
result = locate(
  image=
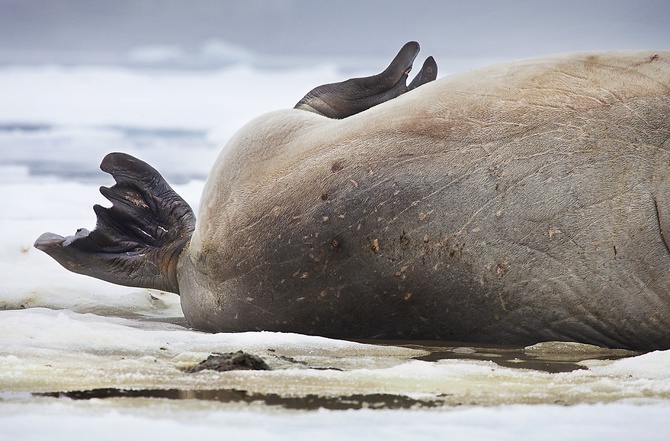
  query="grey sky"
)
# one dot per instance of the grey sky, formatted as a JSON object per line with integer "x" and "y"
{"x": 106, "y": 30}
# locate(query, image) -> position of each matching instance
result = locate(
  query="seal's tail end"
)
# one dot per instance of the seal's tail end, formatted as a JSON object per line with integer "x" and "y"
{"x": 138, "y": 240}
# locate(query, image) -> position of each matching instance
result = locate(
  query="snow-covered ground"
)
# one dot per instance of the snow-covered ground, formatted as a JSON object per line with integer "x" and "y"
{"x": 63, "y": 332}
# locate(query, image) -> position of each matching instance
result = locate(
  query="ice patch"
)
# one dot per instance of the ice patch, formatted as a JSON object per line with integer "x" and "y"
{"x": 654, "y": 366}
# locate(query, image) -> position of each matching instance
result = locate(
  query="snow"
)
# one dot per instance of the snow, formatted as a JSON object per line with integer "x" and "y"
{"x": 104, "y": 421}
{"x": 175, "y": 99}
{"x": 65, "y": 332}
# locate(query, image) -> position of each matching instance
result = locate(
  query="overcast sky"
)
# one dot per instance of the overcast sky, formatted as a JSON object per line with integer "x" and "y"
{"x": 108, "y": 30}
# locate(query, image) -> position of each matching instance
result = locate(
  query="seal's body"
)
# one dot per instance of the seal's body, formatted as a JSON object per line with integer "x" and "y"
{"x": 520, "y": 203}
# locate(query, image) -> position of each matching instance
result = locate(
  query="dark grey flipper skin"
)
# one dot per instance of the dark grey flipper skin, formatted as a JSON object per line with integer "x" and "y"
{"x": 346, "y": 98}
{"x": 427, "y": 74}
{"x": 137, "y": 241}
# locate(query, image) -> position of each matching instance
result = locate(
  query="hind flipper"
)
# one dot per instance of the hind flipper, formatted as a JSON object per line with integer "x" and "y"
{"x": 340, "y": 100}
{"x": 137, "y": 241}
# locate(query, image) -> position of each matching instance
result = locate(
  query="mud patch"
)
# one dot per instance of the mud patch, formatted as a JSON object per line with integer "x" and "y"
{"x": 232, "y": 361}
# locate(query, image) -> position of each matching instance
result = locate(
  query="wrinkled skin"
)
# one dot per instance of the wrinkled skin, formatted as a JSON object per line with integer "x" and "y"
{"x": 520, "y": 203}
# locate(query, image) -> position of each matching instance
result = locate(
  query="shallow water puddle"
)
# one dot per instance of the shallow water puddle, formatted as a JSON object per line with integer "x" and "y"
{"x": 550, "y": 357}
{"x": 233, "y": 396}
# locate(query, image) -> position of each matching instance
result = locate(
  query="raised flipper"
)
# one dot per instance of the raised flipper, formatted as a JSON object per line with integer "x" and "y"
{"x": 137, "y": 241}
{"x": 340, "y": 100}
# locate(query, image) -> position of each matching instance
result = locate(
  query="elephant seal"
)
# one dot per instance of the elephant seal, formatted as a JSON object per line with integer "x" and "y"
{"x": 520, "y": 203}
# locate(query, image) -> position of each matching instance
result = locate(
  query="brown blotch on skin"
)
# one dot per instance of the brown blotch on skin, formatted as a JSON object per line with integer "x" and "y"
{"x": 337, "y": 166}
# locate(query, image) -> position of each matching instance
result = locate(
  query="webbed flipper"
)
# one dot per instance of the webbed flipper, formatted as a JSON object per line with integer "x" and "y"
{"x": 340, "y": 100}
{"x": 138, "y": 240}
